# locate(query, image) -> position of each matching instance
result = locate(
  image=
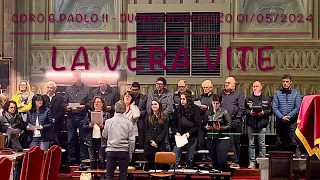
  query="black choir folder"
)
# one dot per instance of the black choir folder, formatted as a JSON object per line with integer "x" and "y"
{"x": 257, "y": 109}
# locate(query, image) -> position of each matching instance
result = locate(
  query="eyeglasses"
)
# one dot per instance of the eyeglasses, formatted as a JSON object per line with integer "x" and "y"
{"x": 159, "y": 84}
{"x": 181, "y": 86}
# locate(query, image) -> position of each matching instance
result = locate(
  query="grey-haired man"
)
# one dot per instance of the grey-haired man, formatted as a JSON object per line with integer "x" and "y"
{"x": 118, "y": 131}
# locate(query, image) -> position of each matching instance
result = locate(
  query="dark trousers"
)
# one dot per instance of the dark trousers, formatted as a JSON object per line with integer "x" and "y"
{"x": 286, "y": 137}
{"x": 115, "y": 158}
{"x": 201, "y": 140}
{"x": 24, "y": 137}
{"x": 57, "y": 127}
{"x": 73, "y": 123}
{"x": 235, "y": 140}
{"x": 97, "y": 154}
{"x": 141, "y": 133}
{"x": 150, "y": 160}
{"x": 218, "y": 151}
{"x": 17, "y": 170}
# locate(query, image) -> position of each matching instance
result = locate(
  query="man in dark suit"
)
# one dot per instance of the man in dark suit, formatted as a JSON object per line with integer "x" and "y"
{"x": 55, "y": 103}
{"x": 141, "y": 101}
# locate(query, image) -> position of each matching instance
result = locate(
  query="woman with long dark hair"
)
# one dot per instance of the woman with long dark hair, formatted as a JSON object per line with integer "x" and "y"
{"x": 186, "y": 121}
{"x": 157, "y": 126}
{"x": 39, "y": 123}
{"x": 12, "y": 124}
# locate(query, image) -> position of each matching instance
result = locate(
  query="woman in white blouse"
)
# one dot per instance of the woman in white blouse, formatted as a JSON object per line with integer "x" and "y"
{"x": 132, "y": 113}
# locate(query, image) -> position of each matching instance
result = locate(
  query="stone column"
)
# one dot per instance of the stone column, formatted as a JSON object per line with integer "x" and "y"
{"x": 23, "y": 43}
{"x": 15, "y": 46}
{"x": 8, "y": 41}
{"x": 1, "y": 25}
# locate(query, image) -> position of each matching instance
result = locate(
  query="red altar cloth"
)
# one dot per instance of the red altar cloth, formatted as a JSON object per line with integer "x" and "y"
{"x": 308, "y": 130}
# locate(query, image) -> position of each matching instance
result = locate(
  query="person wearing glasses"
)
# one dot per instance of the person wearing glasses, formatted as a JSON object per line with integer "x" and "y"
{"x": 141, "y": 101}
{"x": 12, "y": 124}
{"x": 96, "y": 144}
{"x": 162, "y": 95}
{"x": 182, "y": 88}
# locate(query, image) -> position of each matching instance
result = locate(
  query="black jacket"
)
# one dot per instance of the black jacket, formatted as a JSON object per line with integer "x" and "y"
{"x": 186, "y": 120}
{"x": 234, "y": 104}
{"x": 110, "y": 97}
{"x": 206, "y": 99}
{"x": 89, "y": 130}
{"x": 57, "y": 110}
{"x": 224, "y": 119}
{"x": 142, "y": 105}
{"x": 156, "y": 132}
{"x": 258, "y": 121}
{"x": 15, "y": 122}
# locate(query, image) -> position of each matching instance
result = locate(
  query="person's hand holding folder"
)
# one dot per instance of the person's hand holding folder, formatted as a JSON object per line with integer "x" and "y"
{"x": 261, "y": 113}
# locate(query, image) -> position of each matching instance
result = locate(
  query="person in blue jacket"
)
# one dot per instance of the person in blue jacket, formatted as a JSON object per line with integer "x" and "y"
{"x": 286, "y": 106}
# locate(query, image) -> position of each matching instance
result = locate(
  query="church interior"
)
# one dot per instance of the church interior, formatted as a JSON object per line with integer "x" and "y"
{"x": 38, "y": 37}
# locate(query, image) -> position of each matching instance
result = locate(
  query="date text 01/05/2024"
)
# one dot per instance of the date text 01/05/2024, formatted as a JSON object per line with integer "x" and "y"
{"x": 166, "y": 17}
{"x": 217, "y": 17}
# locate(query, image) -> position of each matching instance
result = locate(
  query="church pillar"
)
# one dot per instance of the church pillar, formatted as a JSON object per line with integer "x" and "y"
{"x": 13, "y": 45}
{"x": 1, "y": 25}
{"x": 23, "y": 43}
{"x": 7, "y": 8}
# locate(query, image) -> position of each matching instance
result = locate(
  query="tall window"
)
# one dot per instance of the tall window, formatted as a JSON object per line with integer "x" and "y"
{"x": 180, "y": 31}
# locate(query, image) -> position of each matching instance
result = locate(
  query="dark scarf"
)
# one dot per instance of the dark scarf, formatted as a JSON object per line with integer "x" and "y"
{"x": 8, "y": 116}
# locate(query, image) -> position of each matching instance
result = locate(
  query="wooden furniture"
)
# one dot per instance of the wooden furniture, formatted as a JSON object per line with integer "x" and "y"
{"x": 139, "y": 173}
{"x": 312, "y": 168}
{"x": 164, "y": 158}
{"x": 280, "y": 165}
{"x": 5, "y": 167}
{"x": 2, "y": 140}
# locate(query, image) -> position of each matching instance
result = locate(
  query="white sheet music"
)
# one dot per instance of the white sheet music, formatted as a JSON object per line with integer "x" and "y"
{"x": 74, "y": 105}
{"x": 198, "y": 103}
{"x": 181, "y": 140}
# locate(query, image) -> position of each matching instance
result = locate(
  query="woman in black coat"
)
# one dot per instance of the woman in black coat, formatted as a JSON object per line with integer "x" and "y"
{"x": 12, "y": 124}
{"x": 94, "y": 140}
{"x": 186, "y": 121}
{"x": 157, "y": 127}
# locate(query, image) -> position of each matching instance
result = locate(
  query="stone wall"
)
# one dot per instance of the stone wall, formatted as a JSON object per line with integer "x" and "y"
{"x": 297, "y": 55}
